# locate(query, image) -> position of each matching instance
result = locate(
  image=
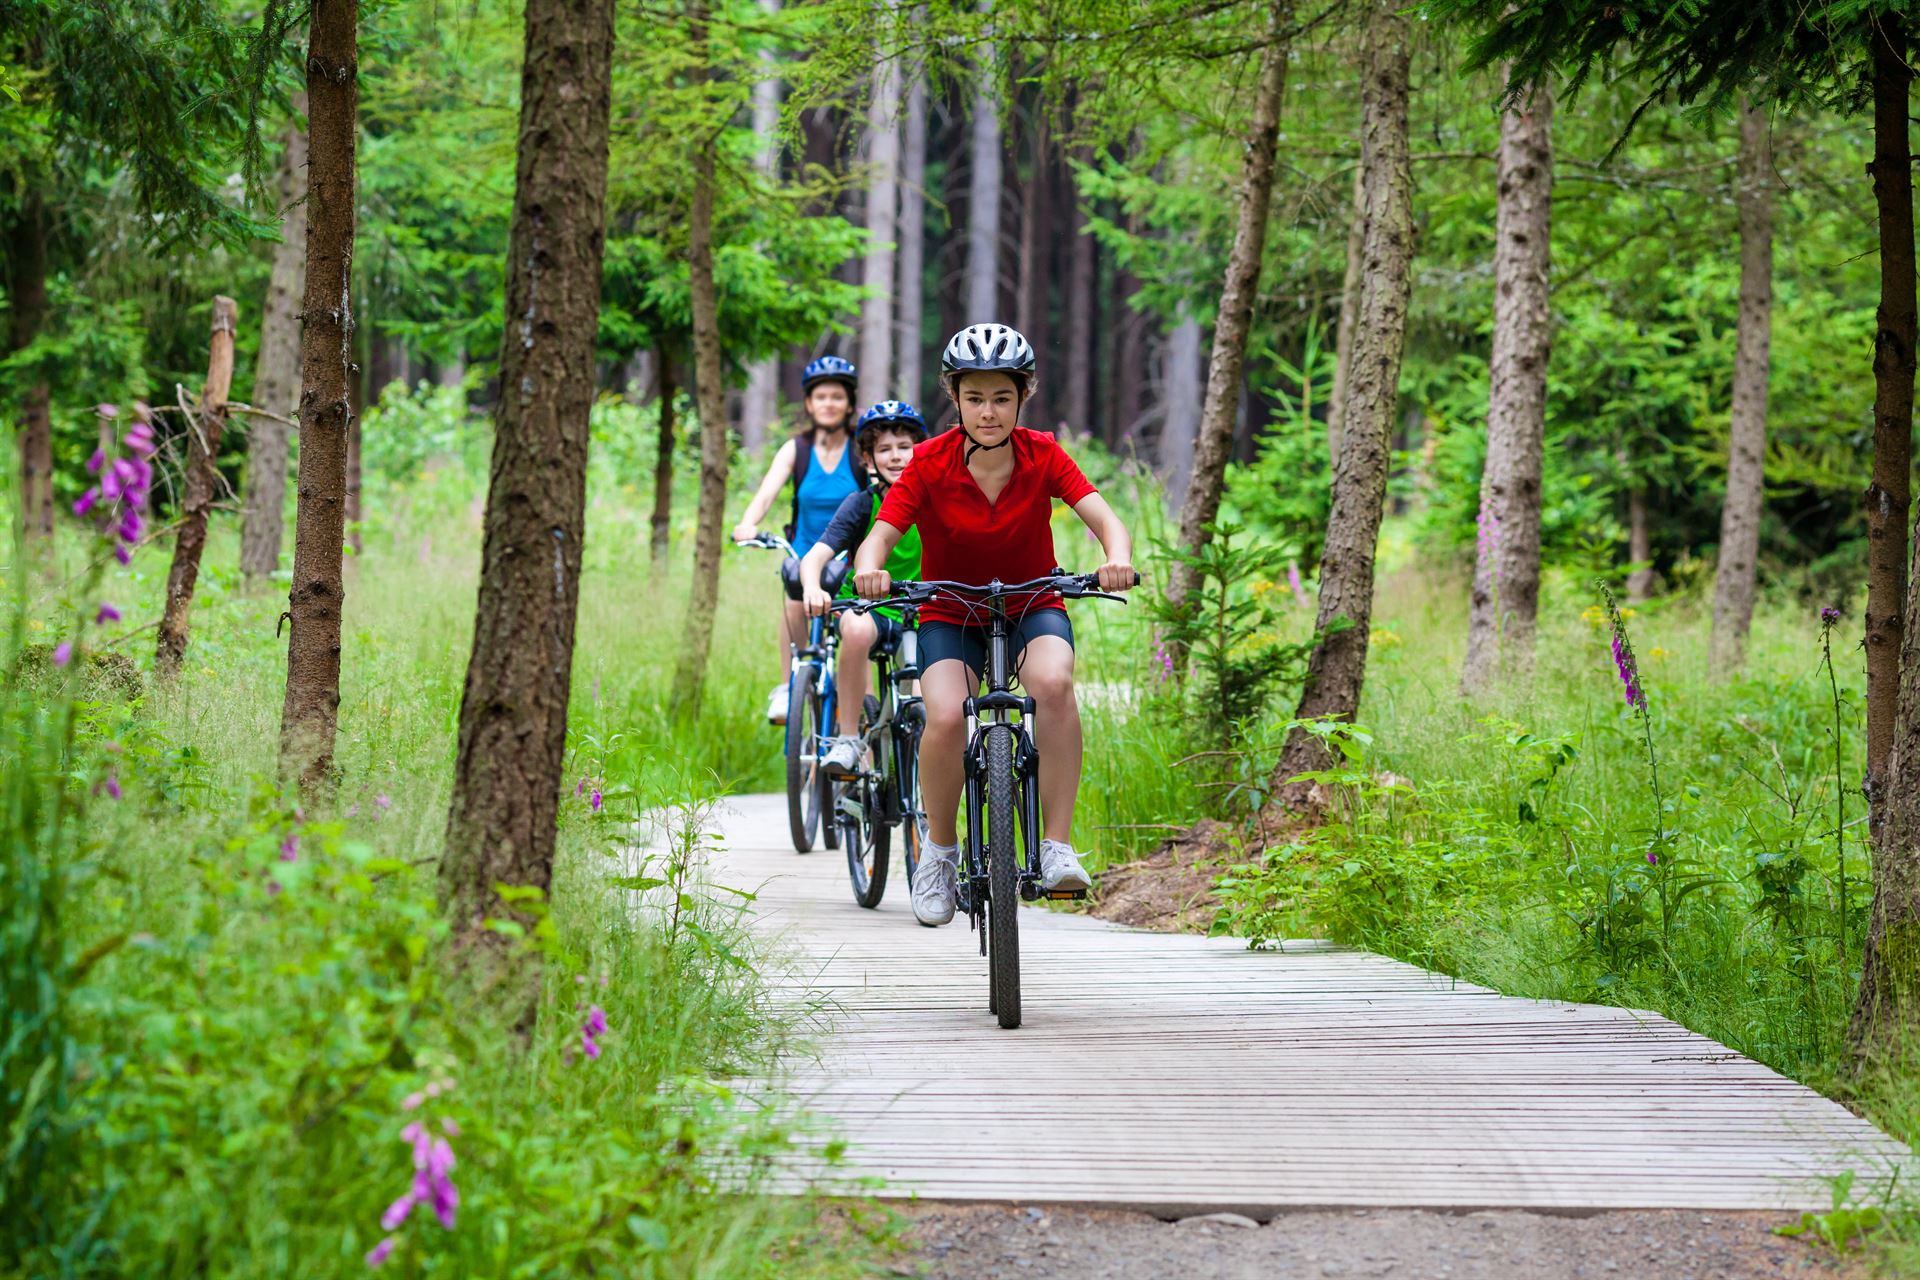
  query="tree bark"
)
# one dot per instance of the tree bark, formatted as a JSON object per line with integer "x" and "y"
{"x": 1506, "y": 580}
{"x": 276, "y": 381}
{"x": 1181, "y": 406}
{"x": 1734, "y": 576}
{"x": 1639, "y": 544}
{"x": 198, "y": 486}
{"x": 760, "y": 403}
{"x": 983, "y": 193}
{"x": 910, "y": 301}
{"x": 663, "y": 463}
{"x": 1349, "y": 306}
{"x": 1237, "y": 296}
{"x": 691, "y": 677}
{"x": 310, "y": 712}
{"x": 1336, "y": 670}
{"x": 1076, "y": 400}
{"x": 1886, "y": 1019}
{"x": 883, "y": 205}
{"x": 27, "y": 285}
{"x": 355, "y": 544}
{"x": 513, "y": 711}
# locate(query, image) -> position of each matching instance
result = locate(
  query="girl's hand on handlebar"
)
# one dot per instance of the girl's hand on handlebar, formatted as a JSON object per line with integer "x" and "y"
{"x": 744, "y": 532}
{"x": 1115, "y": 576}
{"x": 873, "y": 584}
{"x": 817, "y": 602}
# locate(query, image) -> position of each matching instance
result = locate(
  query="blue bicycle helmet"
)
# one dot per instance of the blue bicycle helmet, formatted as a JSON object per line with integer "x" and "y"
{"x": 897, "y": 414}
{"x": 828, "y": 369}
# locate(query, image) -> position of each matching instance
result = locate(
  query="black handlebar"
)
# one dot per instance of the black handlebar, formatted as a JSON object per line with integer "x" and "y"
{"x": 1071, "y": 586}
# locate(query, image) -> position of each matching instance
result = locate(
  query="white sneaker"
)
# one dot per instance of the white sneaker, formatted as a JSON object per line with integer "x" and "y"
{"x": 936, "y": 883}
{"x": 1060, "y": 869}
{"x": 843, "y": 757}
{"x": 777, "y": 704}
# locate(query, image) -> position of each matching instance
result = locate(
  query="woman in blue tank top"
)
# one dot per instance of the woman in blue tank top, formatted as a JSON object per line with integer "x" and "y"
{"x": 821, "y": 463}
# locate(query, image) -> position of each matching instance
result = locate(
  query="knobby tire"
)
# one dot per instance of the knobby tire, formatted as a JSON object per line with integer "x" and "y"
{"x": 803, "y": 734}
{"x": 866, "y": 840}
{"x": 1003, "y": 877}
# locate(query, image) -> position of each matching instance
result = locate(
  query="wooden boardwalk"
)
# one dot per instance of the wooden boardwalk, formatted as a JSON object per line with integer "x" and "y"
{"x": 1181, "y": 1074}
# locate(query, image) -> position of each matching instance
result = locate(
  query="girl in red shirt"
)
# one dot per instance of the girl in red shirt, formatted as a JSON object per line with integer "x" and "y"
{"x": 982, "y": 498}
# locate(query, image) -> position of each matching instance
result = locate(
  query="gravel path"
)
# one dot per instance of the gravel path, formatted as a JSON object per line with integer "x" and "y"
{"x": 998, "y": 1242}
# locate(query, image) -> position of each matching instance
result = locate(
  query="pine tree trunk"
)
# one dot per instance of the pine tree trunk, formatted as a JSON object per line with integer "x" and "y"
{"x": 197, "y": 490}
{"x": 1639, "y": 545}
{"x": 708, "y": 376}
{"x": 355, "y": 522}
{"x": 513, "y": 711}
{"x": 27, "y": 285}
{"x": 1182, "y": 405}
{"x": 276, "y": 381}
{"x": 1506, "y": 580}
{"x": 982, "y": 290}
{"x": 911, "y": 299}
{"x": 1237, "y": 296}
{"x": 1337, "y": 668}
{"x": 760, "y": 403}
{"x": 1076, "y": 402}
{"x": 310, "y": 713}
{"x": 663, "y": 464}
{"x": 1886, "y": 1021}
{"x": 1349, "y": 306}
{"x": 1734, "y": 577}
{"x": 883, "y": 206}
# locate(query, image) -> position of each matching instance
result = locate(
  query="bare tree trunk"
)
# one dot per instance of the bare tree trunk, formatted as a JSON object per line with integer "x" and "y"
{"x": 202, "y": 478}
{"x": 760, "y": 404}
{"x": 1337, "y": 667}
{"x": 276, "y": 381}
{"x": 513, "y": 711}
{"x": 1639, "y": 544}
{"x": 708, "y": 377}
{"x": 27, "y": 285}
{"x": 663, "y": 463}
{"x": 1349, "y": 306}
{"x": 982, "y": 288}
{"x": 911, "y": 299}
{"x": 1733, "y": 579}
{"x": 310, "y": 714}
{"x": 1506, "y": 581}
{"x": 1029, "y": 292}
{"x": 355, "y": 523}
{"x": 883, "y": 206}
{"x": 1076, "y": 404}
{"x": 1237, "y": 295}
{"x": 1886, "y": 1021}
{"x": 1181, "y": 406}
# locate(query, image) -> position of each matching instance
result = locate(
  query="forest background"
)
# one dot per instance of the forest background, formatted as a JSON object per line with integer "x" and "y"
{"x": 864, "y": 182}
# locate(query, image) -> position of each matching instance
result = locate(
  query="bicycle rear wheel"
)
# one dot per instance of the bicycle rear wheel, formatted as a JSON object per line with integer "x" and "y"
{"x": 803, "y": 749}
{"x": 864, "y": 835}
{"x": 1003, "y": 878}
{"x": 913, "y": 810}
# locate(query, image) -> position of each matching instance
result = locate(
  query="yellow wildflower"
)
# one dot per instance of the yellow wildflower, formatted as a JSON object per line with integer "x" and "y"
{"x": 1594, "y": 616}
{"x": 1629, "y": 613}
{"x": 34, "y": 624}
{"x": 1261, "y": 587}
{"x": 1658, "y": 654}
{"x": 1381, "y": 638}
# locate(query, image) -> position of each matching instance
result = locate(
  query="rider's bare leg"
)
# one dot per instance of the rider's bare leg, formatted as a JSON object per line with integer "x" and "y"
{"x": 857, "y": 634}
{"x": 946, "y": 685}
{"x": 1046, "y": 673}
{"x": 792, "y": 631}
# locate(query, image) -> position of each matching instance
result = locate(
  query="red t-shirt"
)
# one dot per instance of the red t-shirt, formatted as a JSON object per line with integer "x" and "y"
{"x": 963, "y": 537}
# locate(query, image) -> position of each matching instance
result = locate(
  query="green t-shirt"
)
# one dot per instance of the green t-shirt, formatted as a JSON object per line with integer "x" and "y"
{"x": 849, "y": 527}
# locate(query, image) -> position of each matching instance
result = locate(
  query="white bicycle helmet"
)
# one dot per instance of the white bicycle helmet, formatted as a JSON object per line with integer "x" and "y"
{"x": 988, "y": 348}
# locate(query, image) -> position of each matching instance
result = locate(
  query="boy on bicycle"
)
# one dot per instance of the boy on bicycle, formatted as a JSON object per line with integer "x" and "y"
{"x": 885, "y": 442}
{"x": 981, "y": 499}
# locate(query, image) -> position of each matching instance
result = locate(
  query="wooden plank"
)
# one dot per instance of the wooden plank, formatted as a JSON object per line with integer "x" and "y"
{"x": 1181, "y": 1074}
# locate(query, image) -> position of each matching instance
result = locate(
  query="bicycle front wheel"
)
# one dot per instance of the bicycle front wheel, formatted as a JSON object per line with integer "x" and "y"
{"x": 913, "y": 814}
{"x": 864, "y": 835}
{"x": 1003, "y": 877}
{"x": 803, "y": 751}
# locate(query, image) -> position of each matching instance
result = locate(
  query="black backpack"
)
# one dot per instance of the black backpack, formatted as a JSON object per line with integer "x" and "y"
{"x": 802, "y": 459}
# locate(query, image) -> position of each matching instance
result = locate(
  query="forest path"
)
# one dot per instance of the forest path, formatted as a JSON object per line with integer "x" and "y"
{"x": 1180, "y": 1075}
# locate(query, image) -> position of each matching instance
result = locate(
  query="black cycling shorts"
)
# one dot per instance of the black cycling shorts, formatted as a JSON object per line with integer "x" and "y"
{"x": 887, "y": 631}
{"x": 940, "y": 641}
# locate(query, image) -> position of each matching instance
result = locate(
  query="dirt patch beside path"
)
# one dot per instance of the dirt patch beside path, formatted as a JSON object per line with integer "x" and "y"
{"x": 1002, "y": 1242}
{"x": 1169, "y": 890}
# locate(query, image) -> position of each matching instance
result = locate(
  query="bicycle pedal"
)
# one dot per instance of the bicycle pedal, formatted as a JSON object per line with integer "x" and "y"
{"x": 1063, "y": 895}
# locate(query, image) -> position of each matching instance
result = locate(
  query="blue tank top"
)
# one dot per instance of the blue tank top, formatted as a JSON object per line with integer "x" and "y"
{"x": 821, "y": 493}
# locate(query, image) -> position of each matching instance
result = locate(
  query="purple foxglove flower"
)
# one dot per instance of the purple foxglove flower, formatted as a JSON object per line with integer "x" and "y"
{"x": 123, "y": 554}
{"x": 383, "y": 802}
{"x": 97, "y": 461}
{"x": 453, "y": 1130}
{"x": 290, "y": 848}
{"x": 397, "y": 1212}
{"x": 84, "y": 503}
{"x": 130, "y": 525}
{"x": 63, "y": 653}
{"x": 412, "y": 1101}
{"x": 597, "y": 1020}
{"x": 113, "y": 785}
{"x": 107, "y": 614}
{"x": 446, "y": 1197}
{"x": 1293, "y": 581}
{"x": 588, "y": 1045}
{"x": 580, "y": 787}
{"x": 124, "y": 471}
{"x": 111, "y": 487}
{"x": 1653, "y": 859}
{"x": 382, "y": 1251}
{"x": 593, "y": 802}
